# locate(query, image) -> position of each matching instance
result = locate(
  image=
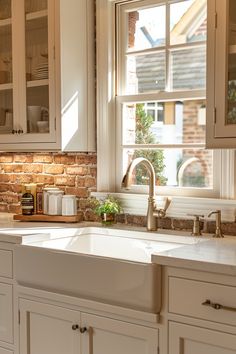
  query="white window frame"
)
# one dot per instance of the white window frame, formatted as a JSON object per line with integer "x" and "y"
{"x": 108, "y": 141}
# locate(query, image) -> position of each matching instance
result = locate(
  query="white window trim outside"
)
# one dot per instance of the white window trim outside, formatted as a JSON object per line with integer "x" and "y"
{"x": 108, "y": 142}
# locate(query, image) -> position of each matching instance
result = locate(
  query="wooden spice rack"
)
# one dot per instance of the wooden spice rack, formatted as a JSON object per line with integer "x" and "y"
{"x": 47, "y": 218}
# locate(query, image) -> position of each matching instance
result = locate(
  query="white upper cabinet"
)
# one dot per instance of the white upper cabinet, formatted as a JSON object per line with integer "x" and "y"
{"x": 47, "y": 75}
{"x": 221, "y": 77}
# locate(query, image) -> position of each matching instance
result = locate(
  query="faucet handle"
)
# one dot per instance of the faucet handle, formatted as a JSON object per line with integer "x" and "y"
{"x": 196, "y": 216}
{"x": 196, "y": 224}
{"x": 167, "y": 203}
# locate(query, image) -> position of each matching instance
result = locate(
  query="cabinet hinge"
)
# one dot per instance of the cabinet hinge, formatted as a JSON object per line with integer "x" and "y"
{"x": 215, "y": 115}
{"x": 55, "y": 123}
{"x": 215, "y": 19}
{"x": 19, "y": 316}
{"x": 158, "y": 350}
{"x": 54, "y": 52}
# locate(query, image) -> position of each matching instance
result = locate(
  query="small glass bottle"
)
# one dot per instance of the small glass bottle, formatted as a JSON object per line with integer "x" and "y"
{"x": 27, "y": 202}
{"x": 39, "y": 198}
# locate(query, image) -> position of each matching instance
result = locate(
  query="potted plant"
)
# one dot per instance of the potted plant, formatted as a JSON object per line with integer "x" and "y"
{"x": 106, "y": 208}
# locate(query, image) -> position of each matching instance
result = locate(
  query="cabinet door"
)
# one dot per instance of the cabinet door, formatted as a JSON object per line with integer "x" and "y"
{"x": 6, "y": 77}
{"x": 107, "y": 336}
{"x": 221, "y": 91}
{"x": 48, "y": 329}
{"x": 186, "y": 339}
{"x": 6, "y": 313}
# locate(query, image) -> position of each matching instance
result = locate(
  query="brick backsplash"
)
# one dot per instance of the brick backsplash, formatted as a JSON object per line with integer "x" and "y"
{"x": 75, "y": 173}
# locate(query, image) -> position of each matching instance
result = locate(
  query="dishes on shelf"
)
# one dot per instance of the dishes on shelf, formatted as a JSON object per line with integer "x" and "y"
{"x": 40, "y": 72}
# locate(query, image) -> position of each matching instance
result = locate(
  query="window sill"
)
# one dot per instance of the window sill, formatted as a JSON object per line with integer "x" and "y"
{"x": 180, "y": 207}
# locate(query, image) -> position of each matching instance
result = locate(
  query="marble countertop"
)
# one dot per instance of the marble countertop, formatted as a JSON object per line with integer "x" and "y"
{"x": 212, "y": 255}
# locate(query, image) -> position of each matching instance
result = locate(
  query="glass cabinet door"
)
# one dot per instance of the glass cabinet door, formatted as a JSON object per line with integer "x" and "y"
{"x": 231, "y": 99}
{"x": 6, "y": 86}
{"x": 37, "y": 64}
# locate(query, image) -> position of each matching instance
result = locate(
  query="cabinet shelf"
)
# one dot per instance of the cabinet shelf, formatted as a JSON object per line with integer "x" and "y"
{"x": 36, "y": 83}
{"x": 36, "y": 15}
{"x": 4, "y": 87}
{"x": 232, "y": 49}
{"x": 5, "y": 22}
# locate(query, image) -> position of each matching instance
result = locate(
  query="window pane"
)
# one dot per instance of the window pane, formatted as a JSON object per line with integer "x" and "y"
{"x": 188, "y": 21}
{"x": 173, "y": 167}
{"x": 145, "y": 73}
{"x": 188, "y": 69}
{"x": 146, "y": 28}
{"x": 174, "y": 122}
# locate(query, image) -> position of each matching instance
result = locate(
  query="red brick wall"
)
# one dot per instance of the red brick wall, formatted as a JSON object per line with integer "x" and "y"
{"x": 75, "y": 173}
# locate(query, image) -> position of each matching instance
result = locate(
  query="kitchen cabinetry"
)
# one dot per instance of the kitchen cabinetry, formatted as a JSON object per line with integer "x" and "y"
{"x": 186, "y": 339}
{"x": 201, "y": 310}
{"x": 52, "y": 329}
{"x": 47, "y": 75}
{"x": 6, "y": 301}
{"x": 221, "y": 74}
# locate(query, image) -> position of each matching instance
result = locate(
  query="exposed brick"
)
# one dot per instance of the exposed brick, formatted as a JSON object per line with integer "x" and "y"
{"x": 45, "y": 179}
{"x": 15, "y": 208}
{"x": 5, "y": 158}
{"x": 64, "y": 181}
{"x": 53, "y": 169}
{"x": 4, "y": 187}
{"x": 138, "y": 220}
{"x": 93, "y": 171}
{"x": 79, "y": 192}
{"x": 77, "y": 170}
{"x": 23, "y": 158}
{"x": 22, "y": 178}
{"x": 3, "y": 207}
{"x": 90, "y": 182}
{"x": 9, "y": 198}
{"x": 5, "y": 178}
{"x": 32, "y": 168}
{"x": 65, "y": 159}
{"x": 43, "y": 158}
{"x": 89, "y": 215}
{"x": 12, "y": 168}
{"x": 80, "y": 181}
{"x": 86, "y": 159}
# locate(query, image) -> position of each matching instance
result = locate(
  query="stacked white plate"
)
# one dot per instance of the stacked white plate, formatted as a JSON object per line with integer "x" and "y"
{"x": 41, "y": 72}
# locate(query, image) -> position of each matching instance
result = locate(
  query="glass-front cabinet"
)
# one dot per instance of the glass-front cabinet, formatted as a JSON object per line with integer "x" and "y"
{"x": 6, "y": 77}
{"x": 27, "y": 71}
{"x": 221, "y": 91}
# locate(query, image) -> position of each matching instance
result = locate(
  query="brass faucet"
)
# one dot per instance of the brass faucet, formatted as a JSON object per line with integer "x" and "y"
{"x": 153, "y": 213}
{"x": 218, "y": 232}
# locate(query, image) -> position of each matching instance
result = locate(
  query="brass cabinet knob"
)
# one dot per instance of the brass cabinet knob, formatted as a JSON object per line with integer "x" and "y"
{"x": 75, "y": 327}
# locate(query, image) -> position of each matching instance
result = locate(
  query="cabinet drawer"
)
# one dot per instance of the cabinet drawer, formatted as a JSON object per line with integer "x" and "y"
{"x": 186, "y": 297}
{"x": 6, "y": 264}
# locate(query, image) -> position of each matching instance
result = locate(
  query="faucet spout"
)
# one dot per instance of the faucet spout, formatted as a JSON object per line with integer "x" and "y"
{"x": 127, "y": 179}
{"x": 152, "y": 213}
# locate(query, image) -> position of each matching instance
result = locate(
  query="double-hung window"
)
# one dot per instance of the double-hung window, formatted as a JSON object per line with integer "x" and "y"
{"x": 161, "y": 94}
{"x": 152, "y": 70}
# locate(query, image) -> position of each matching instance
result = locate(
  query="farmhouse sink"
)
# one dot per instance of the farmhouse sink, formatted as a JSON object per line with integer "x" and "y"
{"x": 106, "y": 265}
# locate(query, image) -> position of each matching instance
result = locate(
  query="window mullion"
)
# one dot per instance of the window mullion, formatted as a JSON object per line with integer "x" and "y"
{"x": 168, "y": 69}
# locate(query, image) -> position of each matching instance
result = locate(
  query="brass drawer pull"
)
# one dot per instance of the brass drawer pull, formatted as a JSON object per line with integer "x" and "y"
{"x": 216, "y": 306}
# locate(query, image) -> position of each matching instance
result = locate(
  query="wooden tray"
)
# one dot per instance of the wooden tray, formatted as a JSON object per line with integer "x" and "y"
{"x": 47, "y": 218}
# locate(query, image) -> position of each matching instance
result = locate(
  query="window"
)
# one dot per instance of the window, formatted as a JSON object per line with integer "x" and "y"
{"x": 152, "y": 97}
{"x": 161, "y": 83}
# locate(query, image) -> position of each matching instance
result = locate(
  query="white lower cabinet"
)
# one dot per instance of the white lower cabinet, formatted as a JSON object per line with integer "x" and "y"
{"x": 5, "y": 351}
{"x": 50, "y": 329}
{"x": 187, "y": 339}
{"x": 6, "y": 314}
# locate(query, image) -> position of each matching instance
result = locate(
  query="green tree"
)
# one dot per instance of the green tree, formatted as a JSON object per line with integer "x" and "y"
{"x": 143, "y": 135}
